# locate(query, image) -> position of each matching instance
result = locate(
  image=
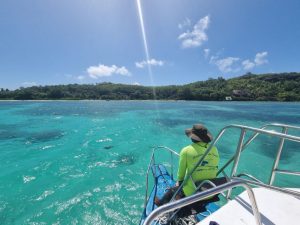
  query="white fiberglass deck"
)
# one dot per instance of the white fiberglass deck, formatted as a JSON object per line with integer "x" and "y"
{"x": 274, "y": 207}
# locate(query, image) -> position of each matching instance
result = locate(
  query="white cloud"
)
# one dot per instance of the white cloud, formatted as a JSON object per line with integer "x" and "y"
{"x": 106, "y": 71}
{"x": 233, "y": 64}
{"x": 185, "y": 23}
{"x": 152, "y": 62}
{"x": 260, "y": 58}
{"x": 196, "y": 37}
{"x": 136, "y": 83}
{"x": 213, "y": 59}
{"x": 29, "y": 84}
{"x": 226, "y": 65}
{"x": 122, "y": 71}
{"x": 80, "y": 77}
{"x": 206, "y": 52}
{"x": 248, "y": 65}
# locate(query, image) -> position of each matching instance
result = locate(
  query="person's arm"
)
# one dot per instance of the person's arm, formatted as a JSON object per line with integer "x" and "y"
{"x": 181, "y": 167}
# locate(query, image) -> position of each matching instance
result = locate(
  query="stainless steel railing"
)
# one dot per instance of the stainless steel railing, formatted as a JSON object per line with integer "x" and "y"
{"x": 240, "y": 147}
{"x": 270, "y": 187}
{"x": 284, "y": 128}
{"x": 254, "y": 136}
{"x": 202, "y": 195}
{"x": 152, "y": 161}
{"x": 236, "y": 182}
{"x": 249, "y": 176}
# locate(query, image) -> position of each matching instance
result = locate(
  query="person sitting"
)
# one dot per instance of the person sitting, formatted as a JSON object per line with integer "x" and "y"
{"x": 188, "y": 158}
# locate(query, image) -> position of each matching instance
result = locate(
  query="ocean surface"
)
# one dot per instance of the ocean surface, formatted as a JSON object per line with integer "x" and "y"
{"x": 84, "y": 162}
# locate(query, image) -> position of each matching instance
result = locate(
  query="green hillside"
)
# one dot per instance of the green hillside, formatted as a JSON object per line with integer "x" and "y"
{"x": 249, "y": 87}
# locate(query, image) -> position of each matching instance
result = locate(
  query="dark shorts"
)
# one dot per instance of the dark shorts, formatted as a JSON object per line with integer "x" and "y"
{"x": 169, "y": 194}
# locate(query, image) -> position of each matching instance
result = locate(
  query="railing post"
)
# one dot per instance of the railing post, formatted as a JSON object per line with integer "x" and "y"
{"x": 147, "y": 178}
{"x": 253, "y": 204}
{"x": 276, "y": 162}
{"x": 237, "y": 157}
{"x": 171, "y": 165}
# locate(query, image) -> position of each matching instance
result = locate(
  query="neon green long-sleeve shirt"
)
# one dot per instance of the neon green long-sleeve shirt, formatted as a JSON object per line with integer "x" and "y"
{"x": 189, "y": 156}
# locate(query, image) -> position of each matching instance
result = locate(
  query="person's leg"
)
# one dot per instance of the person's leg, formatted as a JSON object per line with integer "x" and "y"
{"x": 168, "y": 196}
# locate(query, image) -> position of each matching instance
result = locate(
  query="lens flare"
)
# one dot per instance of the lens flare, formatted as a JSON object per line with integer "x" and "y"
{"x": 140, "y": 13}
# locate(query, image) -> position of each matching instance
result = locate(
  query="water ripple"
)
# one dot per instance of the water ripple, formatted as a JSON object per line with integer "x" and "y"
{"x": 27, "y": 179}
{"x": 44, "y": 195}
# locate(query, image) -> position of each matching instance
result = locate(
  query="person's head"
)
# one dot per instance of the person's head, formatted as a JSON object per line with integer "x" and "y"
{"x": 199, "y": 133}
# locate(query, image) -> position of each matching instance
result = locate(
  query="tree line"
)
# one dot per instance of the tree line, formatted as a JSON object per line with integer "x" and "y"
{"x": 249, "y": 87}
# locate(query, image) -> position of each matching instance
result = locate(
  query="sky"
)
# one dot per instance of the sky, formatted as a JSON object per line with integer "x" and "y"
{"x": 145, "y": 42}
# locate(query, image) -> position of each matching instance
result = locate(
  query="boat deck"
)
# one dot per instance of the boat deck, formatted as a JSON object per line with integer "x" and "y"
{"x": 274, "y": 207}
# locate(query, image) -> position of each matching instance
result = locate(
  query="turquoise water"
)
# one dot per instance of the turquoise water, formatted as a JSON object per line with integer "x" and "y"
{"x": 84, "y": 162}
